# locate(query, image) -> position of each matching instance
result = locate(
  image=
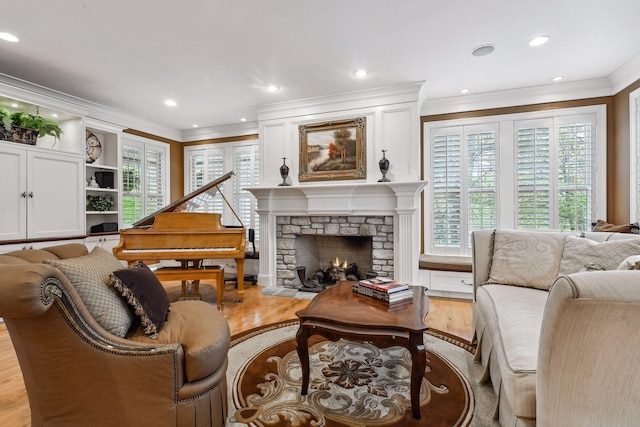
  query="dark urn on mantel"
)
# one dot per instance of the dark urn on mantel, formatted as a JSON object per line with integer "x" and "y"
{"x": 284, "y": 173}
{"x": 384, "y": 167}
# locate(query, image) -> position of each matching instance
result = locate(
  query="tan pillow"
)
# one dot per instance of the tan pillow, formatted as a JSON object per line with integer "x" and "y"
{"x": 579, "y": 252}
{"x": 526, "y": 258}
{"x": 90, "y": 275}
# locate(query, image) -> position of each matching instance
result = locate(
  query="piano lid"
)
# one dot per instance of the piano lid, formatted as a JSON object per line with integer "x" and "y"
{"x": 189, "y": 203}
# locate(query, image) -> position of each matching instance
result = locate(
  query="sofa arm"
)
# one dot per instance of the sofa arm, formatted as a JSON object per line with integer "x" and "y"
{"x": 589, "y": 351}
{"x": 481, "y": 249}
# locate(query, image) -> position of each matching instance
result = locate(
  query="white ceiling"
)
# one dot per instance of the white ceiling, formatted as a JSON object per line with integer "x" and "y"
{"x": 214, "y": 58}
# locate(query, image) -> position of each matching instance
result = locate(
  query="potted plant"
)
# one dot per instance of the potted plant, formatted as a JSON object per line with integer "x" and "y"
{"x": 99, "y": 203}
{"x": 26, "y": 127}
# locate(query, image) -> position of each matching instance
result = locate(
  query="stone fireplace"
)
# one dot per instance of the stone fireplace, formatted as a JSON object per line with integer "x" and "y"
{"x": 387, "y": 213}
{"x": 317, "y": 241}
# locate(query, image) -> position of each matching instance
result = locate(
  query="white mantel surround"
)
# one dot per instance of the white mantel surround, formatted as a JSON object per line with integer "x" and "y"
{"x": 399, "y": 199}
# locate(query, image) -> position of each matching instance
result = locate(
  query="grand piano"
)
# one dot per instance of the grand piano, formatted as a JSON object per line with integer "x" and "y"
{"x": 178, "y": 232}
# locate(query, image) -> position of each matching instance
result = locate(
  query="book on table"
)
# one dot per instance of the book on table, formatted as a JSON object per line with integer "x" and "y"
{"x": 384, "y": 284}
{"x": 403, "y": 294}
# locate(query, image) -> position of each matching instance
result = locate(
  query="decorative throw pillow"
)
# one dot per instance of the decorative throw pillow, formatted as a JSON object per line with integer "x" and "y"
{"x": 144, "y": 292}
{"x": 579, "y": 253}
{"x": 630, "y": 263}
{"x": 526, "y": 258}
{"x": 90, "y": 275}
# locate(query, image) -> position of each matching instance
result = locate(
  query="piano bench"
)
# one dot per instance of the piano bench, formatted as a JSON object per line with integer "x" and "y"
{"x": 210, "y": 272}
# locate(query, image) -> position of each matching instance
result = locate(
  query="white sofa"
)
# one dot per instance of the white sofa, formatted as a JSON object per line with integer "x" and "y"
{"x": 559, "y": 351}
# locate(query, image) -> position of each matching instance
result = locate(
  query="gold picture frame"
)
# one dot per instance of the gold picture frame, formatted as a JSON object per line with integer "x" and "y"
{"x": 333, "y": 150}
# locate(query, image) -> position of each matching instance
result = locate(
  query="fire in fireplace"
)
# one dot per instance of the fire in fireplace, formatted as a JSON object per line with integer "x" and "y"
{"x": 327, "y": 275}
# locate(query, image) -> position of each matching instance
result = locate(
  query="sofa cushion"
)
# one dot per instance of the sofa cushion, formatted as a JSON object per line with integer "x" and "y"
{"x": 205, "y": 344}
{"x": 143, "y": 291}
{"x": 513, "y": 317}
{"x": 526, "y": 258}
{"x": 580, "y": 253}
{"x": 90, "y": 275}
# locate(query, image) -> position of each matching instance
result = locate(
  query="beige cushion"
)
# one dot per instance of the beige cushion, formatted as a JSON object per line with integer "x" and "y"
{"x": 578, "y": 253}
{"x": 526, "y": 258}
{"x": 90, "y": 276}
{"x": 205, "y": 344}
{"x": 513, "y": 317}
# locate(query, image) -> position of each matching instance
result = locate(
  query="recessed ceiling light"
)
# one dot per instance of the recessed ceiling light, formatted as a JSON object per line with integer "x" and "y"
{"x": 170, "y": 103}
{"x": 194, "y": 125}
{"x": 360, "y": 73}
{"x": 483, "y": 50}
{"x": 54, "y": 115}
{"x": 464, "y": 91}
{"x": 243, "y": 119}
{"x": 9, "y": 37}
{"x": 14, "y": 105}
{"x": 273, "y": 88}
{"x": 557, "y": 78}
{"x": 538, "y": 41}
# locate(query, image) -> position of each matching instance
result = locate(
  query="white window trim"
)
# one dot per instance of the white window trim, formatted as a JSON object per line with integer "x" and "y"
{"x": 634, "y": 141}
{"x": 135, "y": 140}
{"x": 506, "y": 146}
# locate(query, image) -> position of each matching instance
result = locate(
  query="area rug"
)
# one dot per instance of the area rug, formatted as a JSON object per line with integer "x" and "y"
{"x": 352, "y": 384}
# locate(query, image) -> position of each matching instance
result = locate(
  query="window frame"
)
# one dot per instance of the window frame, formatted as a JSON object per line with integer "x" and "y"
{"x": 634, "y": 155}
{"x": 506, "y": 192}
{"x": 227, "y": 149}
{"x": 144, "y": 145}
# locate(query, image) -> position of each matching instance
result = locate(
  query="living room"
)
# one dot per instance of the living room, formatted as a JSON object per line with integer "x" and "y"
{"x": 109, "y": 71}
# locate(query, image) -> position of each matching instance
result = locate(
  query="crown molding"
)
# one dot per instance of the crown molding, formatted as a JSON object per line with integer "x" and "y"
{"x": 627, "y": 74}
{"x": 524, "y": 96}
{"x": 222, "y": 131}
{"x": 39, "y": 95}
{"x": 408, "y": 92}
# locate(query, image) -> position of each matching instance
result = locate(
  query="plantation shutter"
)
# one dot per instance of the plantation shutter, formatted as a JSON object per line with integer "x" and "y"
{"x": 576, "y": 173}
{"x": 446, "y": 179}
{"x": 204, "y": 167}
{"x": 464, "y": 186}
{"x": 481, "y": 180}
{"x": 532, "y": 176}
{"x": 132, "y": 202}
{"x": 245, "y": 166}
{"x": 155, "y": 178}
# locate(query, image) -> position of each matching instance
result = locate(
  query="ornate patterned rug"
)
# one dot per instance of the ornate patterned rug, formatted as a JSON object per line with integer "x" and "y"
{"x": 352, "y": 384}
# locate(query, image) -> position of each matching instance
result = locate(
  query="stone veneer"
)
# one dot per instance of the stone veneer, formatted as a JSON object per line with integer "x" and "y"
{"x": 380, "y": 228}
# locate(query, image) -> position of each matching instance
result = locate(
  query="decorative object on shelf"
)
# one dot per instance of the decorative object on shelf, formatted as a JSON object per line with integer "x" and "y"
{"x": 99, "y": 203}
{"x": 384, "y": 167}
{"x": 25, "y": 127}
{"x": 93, "y": 183}
{"x": 333, "y": 150}
{"x": 284, "y": 173}
{"x": 93, "y": 147}
{"x": 105, "y": 179}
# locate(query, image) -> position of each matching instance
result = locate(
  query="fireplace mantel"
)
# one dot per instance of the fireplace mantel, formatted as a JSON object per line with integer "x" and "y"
{"x": 373, "y": 198}
{"x": 400, "y": 199}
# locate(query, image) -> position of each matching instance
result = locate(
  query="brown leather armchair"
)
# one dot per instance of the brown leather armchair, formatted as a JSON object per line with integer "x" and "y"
{"x": 78, "y": 374}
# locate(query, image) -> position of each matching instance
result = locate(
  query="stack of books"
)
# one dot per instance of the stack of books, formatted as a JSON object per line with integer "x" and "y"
{"x": 384, "y": 289}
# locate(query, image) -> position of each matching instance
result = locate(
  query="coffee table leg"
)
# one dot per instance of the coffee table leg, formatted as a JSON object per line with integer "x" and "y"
{"x": 418, "y": 366}
{"x": 302, "y": 338}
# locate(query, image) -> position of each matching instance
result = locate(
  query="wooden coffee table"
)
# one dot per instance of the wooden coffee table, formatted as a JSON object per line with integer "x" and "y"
{"x": 338, "y": 312}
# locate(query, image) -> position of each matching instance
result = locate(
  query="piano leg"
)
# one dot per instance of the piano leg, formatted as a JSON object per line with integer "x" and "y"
{"x": 240, "y": 265}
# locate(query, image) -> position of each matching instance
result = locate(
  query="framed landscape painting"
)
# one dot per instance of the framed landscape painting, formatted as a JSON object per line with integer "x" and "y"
{"x": 333, "y": 150}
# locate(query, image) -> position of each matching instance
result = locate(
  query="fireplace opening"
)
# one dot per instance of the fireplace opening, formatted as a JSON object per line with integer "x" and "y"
{"x": 325, "y": 260}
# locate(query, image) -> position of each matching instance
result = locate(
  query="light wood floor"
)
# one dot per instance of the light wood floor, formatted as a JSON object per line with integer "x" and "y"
{"x": 447, "y": 315}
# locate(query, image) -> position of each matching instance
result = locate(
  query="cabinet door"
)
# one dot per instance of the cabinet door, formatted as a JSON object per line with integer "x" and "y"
{"x": 13, "y": 193}
{"x": 55, "y": 206}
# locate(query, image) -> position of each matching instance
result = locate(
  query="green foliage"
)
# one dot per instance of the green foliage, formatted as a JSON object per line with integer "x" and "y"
{"x": 100, "y": 202}
{"x": 21, "y": 119}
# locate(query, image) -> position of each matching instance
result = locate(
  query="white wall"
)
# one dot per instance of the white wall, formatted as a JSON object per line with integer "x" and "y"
{"x": 392, "y": 123}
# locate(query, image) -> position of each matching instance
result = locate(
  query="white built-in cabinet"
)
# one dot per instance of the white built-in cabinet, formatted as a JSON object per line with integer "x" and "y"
{"x": 42, "y": 193}
{"x": 106, "y": 165}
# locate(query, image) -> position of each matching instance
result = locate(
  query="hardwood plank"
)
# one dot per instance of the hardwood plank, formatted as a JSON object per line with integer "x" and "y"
{"x": 446, "y": 315}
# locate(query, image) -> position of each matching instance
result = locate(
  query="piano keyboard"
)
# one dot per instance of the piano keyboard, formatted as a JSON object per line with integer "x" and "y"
{"x": 180, "y": 250}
